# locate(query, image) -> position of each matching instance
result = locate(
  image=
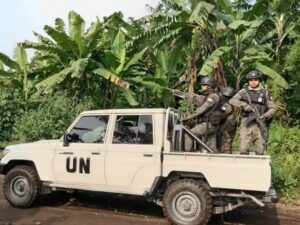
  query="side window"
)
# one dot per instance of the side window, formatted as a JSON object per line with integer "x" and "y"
{"x": 145, "y": 132}
{"x": 133, "y": 130}
{"x": 89, "y": 129}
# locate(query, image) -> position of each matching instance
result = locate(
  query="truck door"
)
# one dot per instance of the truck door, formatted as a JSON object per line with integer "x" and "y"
{"x": 132, "y": 159}
{"x": 82, "y": 162}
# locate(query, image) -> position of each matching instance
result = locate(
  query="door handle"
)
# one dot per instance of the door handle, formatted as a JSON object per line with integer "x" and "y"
{"x": 96, "y": 153}
{"x": 148, "y": 155}
{"x": 66, "y": 153}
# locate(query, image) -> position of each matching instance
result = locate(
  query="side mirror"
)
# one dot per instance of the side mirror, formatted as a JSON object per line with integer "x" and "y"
{"x": 65, "y": 139}
{"x": 74, "y": 137}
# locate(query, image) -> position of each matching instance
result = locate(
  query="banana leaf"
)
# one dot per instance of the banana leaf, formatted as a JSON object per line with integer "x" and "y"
{"x": 276, "y": 77}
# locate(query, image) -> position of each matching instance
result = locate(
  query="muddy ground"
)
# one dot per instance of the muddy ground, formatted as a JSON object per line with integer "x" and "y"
{"x": 106, "y": 209}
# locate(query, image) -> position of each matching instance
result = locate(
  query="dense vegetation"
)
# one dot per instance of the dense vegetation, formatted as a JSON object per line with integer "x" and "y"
{"x": 116, "y": 63}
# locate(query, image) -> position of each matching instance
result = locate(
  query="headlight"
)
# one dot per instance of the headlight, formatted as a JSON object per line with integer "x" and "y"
{"x": 4, "y": 152}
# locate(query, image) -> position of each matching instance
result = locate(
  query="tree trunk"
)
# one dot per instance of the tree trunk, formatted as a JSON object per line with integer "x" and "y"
{"x": 210, "y": 44}
{"x": 191, "y": 72}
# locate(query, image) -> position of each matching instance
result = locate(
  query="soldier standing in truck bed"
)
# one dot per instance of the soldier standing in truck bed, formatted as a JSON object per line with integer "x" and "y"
{"x": 227, "y": 129}
{"x": 250, "y": 99}
{"x": 207, "y": 124}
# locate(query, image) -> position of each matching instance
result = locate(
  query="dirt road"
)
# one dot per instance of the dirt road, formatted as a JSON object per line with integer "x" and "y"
{"x": 94, "y": 209}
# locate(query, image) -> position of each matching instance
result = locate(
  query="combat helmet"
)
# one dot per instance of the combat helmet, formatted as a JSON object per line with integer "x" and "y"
{"x": 254, "y": 74}
{"x": 227, "y": 92}
{"x": 209, "y": 81}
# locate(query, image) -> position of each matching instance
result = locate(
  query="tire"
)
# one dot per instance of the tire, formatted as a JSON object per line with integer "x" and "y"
{"x": 187, "y": 202}
{"x": 21, "y": 186}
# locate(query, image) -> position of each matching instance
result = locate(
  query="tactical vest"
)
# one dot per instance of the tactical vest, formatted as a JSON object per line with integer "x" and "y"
{"x": 216, "y": 115}
{"x": 258, "y": 98}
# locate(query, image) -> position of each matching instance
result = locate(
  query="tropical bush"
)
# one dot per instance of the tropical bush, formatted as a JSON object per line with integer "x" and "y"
{"x": 284, "y": 149}
{"x": 50, "y": 119}
{"x": 11, "y": 110}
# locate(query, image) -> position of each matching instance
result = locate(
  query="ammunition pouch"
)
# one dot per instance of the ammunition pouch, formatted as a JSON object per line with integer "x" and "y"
{"x": 216, "y": 118}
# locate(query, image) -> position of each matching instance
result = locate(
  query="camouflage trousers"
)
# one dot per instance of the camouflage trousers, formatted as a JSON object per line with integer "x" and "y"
{"x": 251, "y": 134}
{"x": 200, "y": 131}
{"x": 225, "y": 141}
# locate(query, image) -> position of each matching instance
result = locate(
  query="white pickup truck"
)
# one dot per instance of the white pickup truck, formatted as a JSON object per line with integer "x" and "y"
{"x": 136, "y": 152}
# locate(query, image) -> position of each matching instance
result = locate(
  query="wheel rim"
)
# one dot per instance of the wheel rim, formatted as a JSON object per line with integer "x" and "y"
{"x": 186, "y": 206}
{"x": 19, "y": 186}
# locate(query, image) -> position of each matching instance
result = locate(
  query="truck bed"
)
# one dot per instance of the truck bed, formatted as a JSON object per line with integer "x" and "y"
{"x": 224, "y": 171}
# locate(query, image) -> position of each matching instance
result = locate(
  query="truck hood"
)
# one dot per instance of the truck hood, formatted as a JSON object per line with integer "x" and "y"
{"x": 34, "y": 145}
{"x": 34, "y": 151}
{"x": 47, "y": 141}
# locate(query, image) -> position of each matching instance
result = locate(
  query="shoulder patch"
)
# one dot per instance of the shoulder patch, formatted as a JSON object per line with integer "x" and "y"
{"x": 268, "y": 96}
{"x": 242, "y": 91}
{"x": 210, "y": 100}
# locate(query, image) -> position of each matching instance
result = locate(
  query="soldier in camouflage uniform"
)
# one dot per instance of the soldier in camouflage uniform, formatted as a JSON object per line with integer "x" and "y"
{"x": 227, "y": 129}
{"x": 205, "y": 128}
{"x": 251, "y": 132}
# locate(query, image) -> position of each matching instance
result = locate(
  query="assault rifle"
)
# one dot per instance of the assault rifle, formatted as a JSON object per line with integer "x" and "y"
{"x": 190, "y": 96}
{"x": 256, "y": 116}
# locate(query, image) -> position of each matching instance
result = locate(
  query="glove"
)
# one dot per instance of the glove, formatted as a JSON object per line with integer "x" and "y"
{"x": 248, "y": 108}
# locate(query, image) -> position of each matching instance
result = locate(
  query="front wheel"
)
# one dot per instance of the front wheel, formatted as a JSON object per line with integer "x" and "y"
{"x": 187, "y": 202}
{"x": 21, "y": 186}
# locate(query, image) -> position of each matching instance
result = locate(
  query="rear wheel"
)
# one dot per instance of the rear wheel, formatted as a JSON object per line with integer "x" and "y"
{"x": 21, "y": 186}
{"x": 187, "y": 202}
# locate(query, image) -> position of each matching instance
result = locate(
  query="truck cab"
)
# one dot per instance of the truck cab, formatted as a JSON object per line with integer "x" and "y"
{"x": 136, "y": 152}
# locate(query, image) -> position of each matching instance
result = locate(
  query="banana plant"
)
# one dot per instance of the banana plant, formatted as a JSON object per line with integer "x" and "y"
{"x": 284, "y": 19}
{"x": 186, "y": 25}
{"x": 168, "y": 68}
{"x": 66, "y": 57}
{"x": 282, "y": 29}
{"x": 241, "y": 32}
{"x": 75, "y": 59}
{"x": 119, "y": 66}
{"x": 18, "y": 75}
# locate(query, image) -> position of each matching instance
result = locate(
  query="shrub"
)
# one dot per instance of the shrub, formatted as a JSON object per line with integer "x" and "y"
{"x": 11, "y": 109}
{"x": 49, "y": 120}
{"x": 284, "y": 149}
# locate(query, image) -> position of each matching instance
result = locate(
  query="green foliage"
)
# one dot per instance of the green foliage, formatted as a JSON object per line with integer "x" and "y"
{"x": 9, "y": 62}
{"x": 293, "y": 68}
{"x": 72, "y": 53}
{"x": 50, "y": 119}
{"x": 284, "y": 149}
{"x": 11, "y": 110}
{"x": 211, "y": 63}
{"x": 119, "y": 66}
{"x": 18, "y": 76}
{"x": 276, "y": 78}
